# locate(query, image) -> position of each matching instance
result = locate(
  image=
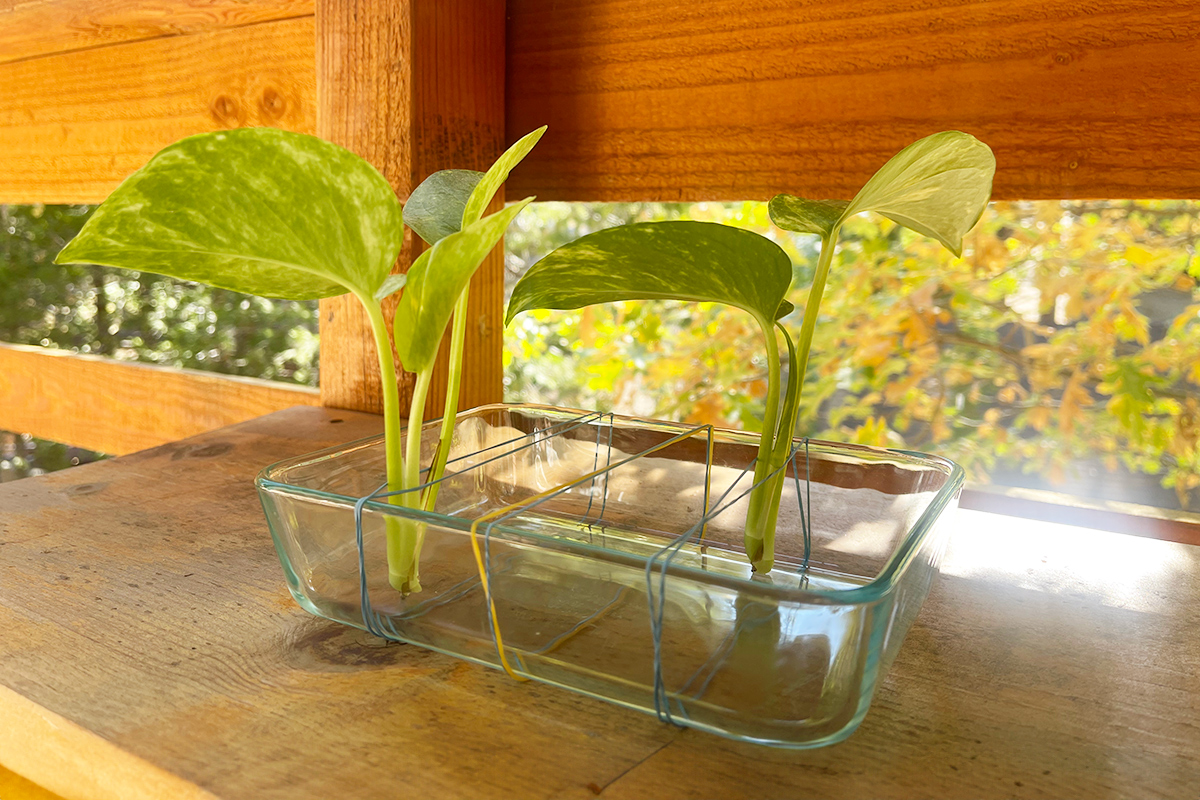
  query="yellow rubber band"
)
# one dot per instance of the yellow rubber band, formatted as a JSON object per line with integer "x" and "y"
{"x": 500, "y": 512}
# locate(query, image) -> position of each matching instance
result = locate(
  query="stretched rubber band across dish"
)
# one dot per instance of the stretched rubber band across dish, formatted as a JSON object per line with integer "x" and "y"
{"x": 383, "y": 627}
{"x": 666, "y": 555}
{"x": 492, "y": 517}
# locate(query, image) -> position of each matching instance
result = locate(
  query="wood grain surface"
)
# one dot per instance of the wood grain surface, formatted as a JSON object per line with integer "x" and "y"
{"x": 140, "y": 600}
{"x": 31, "y": 28}
{"x": 74, "y": 125}
{"x": 676, "y": 100}
{"x": 413, "y": 86}
{"x": 116, "y": 407}
{"x": 741, "y": 99}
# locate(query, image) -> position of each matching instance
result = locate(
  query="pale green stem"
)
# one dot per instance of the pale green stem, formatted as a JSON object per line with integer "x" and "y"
{"x": 763, "y": 511}
{"x": 759, "y": 501}
{"x": 787, "y": 432}
{"x": 813, "y": 305}
{"x": 416, "y": 418}
{"x": 453, "y": 383}
{"x": 397, "y": 547}
{"x": 404, "y": 571}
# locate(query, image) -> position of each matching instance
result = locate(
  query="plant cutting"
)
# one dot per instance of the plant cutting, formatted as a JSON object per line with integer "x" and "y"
{"x": 938, "y": 186}
{"x": 280, "y": 214}
{"x": 563, "y": 528}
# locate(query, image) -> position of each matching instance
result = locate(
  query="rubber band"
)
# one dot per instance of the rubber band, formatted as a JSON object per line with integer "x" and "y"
{"x": 697, "y": 684}
{"x": 662, "y": 707}
{"x": 498, "y": 515}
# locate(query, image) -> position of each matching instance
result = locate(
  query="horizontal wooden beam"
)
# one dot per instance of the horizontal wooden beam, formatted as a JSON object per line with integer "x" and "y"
{"x": 741, "y": 99}
{"x": 117, "y": 407}
{"x": 74, "y": 124}
{"x": 676, "y": 100}
{"x": 32, "y": 28}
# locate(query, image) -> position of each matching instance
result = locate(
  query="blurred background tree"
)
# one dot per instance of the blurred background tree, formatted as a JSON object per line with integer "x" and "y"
{"x": 132, "y": 316}
{"x": 1062, "y": 351}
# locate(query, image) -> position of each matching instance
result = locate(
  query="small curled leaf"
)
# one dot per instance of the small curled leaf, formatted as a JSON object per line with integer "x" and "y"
{"x": 449, "y": 200}
{"x": 805, "y": 216}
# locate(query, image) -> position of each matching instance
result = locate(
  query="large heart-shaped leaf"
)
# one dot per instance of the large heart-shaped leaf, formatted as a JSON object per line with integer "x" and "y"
{"x": 450, "y": 199}
{"x": 938, "y": 186}
{"x": 254, "y": 210}
{"x": 435, "y": 281}
{"x": 682, "y": 260}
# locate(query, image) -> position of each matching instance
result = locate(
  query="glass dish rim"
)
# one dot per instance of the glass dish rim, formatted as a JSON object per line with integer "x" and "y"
{"x": 873, "y": 590}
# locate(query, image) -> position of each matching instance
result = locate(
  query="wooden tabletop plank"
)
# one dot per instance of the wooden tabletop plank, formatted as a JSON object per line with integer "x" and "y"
{"x": 141, "y": 601}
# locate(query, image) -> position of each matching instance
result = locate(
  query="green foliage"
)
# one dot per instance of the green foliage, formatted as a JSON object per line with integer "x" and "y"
{"x": 938, "y": 186}
{"x": 436, "y": 280}
{"x": 284, "y": 214}
{"x": 255, "y": 210}
{"x": 435, "y": 208}
{"x": 806, "y": 216}
{"x": 696, "y": 261}
{"x": 1015, "y": 360}
{"x": 451, "y": 199}
{"x": 135, "y": 315}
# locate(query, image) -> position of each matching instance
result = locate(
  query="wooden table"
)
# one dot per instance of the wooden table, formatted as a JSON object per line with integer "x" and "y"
{"x": 149, "y": 649}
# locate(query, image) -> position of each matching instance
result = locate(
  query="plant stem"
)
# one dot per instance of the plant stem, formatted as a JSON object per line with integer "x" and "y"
{"x": 396, "y": 544}
{"x": 813, "y": 305}
{"x": 775, "y": 444}
{"x": 758, "y": 541}
{"x": 404, "y": 569}
{"x": 784, "y": 438}
{"x": 453, "y": 384}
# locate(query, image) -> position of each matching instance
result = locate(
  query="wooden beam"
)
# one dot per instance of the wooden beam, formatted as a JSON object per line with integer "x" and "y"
{"x": 73, "y": 125}
{"x": 741, "y": 99}
{"x": 117, "y": 408}
{"x": 413, "y": 86}
{"x": 32, "y": 28}
{"x": 677, "y": 100}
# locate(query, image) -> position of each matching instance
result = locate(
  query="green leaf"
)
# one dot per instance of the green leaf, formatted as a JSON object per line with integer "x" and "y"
{"x": 449, "y": 199}
{"x": 682, "y": 260}
{"x": 255, "y": 210}
{"x": 938, "y": 186}
{"x": 497, "y": 174}
{"x": 436, "y": 280}
{"x": 435, "y": 208}
{"x": 805, "y": 216}
{"x": 391, "y": 285}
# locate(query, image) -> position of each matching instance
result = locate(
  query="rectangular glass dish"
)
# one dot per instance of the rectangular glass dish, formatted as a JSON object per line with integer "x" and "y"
{"x": 609, "y": 578}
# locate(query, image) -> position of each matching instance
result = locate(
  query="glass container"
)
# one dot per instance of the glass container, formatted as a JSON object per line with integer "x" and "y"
{"x": 612, "y": 550}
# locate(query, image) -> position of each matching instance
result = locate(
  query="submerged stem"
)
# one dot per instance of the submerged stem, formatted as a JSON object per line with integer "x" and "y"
{"x": 783, "y": 440}
{"x": 450, "y": 411}
{"x": 404, "y": 570}
{"x": 758, "y": 540}
{"x": 393, "y": 448}
{"x": 775, "y": 445}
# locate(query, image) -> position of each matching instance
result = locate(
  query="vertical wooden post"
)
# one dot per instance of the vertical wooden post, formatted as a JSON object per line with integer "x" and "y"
{"x": 413, "y": 86}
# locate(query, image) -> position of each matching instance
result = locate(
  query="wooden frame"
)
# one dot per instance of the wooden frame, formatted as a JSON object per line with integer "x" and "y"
{"x": 118, "y": 407}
